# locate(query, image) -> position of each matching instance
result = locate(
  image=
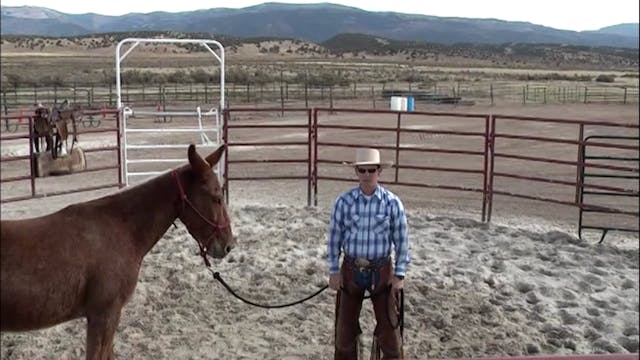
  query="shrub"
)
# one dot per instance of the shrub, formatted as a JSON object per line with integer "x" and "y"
{"x": 606, "y": 78}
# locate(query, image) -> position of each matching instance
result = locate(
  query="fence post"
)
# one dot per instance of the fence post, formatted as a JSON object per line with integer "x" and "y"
{"x": 306, "y": 93}
{"x": 624, "y": 99}
{"x": 524, "y": 95}
{"x": 110, "y": 94}
{"x": 585, "y": 94}
{"x": 55, "y": 93}
{"x": 544, "y": 94}
{"x": 331, "y": 98}
{"x": 491, "y": 93}
{"x": 373, "y": 97}
{"x": 281, "y": 101}
{"x": 75, "y": 98}
{"x": 4, "y": 101}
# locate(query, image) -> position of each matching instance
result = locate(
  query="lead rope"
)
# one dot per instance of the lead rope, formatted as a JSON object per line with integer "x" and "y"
{"x": 216, "y": 275}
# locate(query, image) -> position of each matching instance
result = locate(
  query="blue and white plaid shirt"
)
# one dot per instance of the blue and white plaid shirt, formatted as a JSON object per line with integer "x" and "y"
{"x": 367, "y": 228}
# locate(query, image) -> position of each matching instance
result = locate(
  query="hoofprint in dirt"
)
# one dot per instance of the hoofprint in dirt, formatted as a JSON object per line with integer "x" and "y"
{"x": 472, "y": 289}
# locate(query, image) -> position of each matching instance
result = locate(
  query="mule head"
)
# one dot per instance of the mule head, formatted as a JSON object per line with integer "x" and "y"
{"x": 206, "y": 218}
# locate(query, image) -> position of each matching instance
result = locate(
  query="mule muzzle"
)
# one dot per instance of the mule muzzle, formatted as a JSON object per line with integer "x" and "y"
{"x": 219, "y": 250}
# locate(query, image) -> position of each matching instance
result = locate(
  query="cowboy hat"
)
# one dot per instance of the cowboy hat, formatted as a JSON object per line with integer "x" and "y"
{"x": 367, "y": 157}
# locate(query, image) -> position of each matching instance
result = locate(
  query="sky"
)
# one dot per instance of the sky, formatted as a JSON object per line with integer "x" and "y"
{"x": 575, "y": 15}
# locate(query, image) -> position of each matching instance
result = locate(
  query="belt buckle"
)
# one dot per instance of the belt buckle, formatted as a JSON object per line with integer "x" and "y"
{"x": 361, "y": 263}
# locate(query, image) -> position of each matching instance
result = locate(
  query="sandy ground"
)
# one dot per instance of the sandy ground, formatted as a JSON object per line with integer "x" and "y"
{"x": 524, "y": 284}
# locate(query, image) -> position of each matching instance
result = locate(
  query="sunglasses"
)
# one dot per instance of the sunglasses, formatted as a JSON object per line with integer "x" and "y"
{"x": 370, "y": 171}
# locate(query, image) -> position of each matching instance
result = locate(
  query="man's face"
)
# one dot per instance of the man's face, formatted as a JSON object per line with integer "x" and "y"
{"x": 368, "y": 175}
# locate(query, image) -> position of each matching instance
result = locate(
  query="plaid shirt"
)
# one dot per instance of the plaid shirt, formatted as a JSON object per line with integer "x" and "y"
{"x": 367, "y": 228}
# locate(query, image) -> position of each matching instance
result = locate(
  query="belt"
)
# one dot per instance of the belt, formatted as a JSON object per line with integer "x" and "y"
{"x": 363, "y": 264}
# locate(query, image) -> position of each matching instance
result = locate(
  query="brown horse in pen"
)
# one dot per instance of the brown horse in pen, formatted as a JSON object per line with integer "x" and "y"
{"x": 89, "y": 266}
{"x": 60, "y": 117}
{"x": 42, "y": 128}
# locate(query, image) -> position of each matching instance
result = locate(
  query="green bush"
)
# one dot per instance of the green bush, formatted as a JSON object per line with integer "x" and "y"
{"x": 606, "y": 78}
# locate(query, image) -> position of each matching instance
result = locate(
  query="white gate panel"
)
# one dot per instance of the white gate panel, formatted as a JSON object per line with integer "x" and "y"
{"x": 151, "y": 146}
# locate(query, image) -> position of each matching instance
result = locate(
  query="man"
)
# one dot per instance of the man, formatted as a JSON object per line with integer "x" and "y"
{"x": 367, "y": 222}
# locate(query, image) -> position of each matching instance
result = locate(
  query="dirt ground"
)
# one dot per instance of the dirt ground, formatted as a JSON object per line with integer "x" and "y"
{"x": 289, "y": 144}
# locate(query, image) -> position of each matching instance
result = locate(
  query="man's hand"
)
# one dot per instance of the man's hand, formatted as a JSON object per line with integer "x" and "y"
{"x": 396, "y": 285}
{"x": 335, "y": 281}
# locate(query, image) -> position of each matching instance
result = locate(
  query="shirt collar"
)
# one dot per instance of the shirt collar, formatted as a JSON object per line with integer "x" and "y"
{"x": 377, "y": 192}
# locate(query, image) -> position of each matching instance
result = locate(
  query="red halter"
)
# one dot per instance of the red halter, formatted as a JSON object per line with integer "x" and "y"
{"x": 185, "y": 200}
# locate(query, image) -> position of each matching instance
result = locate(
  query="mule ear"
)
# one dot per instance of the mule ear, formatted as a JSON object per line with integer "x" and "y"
{"x": 199, "y": 166}
{"x": 214, "y": 157}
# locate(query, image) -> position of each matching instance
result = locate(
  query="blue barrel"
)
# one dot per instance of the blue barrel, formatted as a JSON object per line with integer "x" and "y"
{"x": 410, "y": 103}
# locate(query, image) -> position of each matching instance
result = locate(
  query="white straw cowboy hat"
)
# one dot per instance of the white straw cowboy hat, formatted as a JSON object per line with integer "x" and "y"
{"x": 368, "y": 157}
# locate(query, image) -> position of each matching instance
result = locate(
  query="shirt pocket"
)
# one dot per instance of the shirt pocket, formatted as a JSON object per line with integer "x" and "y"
{"x": 382, "y": 226}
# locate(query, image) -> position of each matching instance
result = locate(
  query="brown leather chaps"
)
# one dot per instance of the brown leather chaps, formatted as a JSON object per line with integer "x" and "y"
{"x": 348, "y": 305}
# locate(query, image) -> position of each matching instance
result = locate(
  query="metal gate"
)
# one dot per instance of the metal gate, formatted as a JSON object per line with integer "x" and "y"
{"x": 616, "y": 169}
{"x": 165, "y": 142}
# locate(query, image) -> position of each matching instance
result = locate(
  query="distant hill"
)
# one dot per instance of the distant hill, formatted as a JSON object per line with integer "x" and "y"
{"x": 311, "y": 22}
{"x": 621, "y": 29}
{"x": 347, "y": 47}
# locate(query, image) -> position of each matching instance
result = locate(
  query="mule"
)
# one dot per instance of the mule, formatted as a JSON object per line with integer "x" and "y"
{"x": 61, "y": 117}
{"x": 89, "y": 266}
{"x": 42, "y": 128}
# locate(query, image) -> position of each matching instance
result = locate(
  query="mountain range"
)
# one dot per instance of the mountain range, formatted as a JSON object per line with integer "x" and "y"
{"x": 311, "y": 22}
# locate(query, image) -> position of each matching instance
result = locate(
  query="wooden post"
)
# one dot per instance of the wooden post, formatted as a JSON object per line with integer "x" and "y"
{"x": 331, "y": 98}
{"x": 544, "y": 94}
{"x": 281, "y": 100}
{"x": 55, "y": 93}
{"x": 624, "y": 99}
{"x": 585, "y": 94}
{"x": 373, "y": 97}
{"x": 164, "y": 103}
{"x": 524, "y": 95}
{"x": 306, "y": 93}
{"x": 491, "y": 93}
{"x": 4, "y": 101}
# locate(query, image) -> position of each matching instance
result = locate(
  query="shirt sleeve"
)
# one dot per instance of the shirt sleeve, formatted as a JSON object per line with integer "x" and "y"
{"x": 334, "y": 245}
{"x": 400, "y": 239}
